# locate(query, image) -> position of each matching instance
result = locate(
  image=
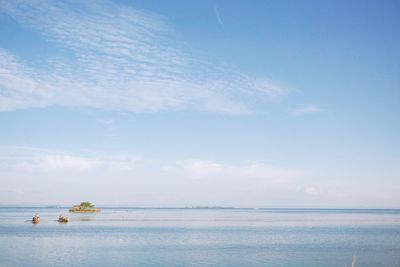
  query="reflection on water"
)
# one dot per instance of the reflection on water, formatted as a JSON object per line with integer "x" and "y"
{"x": 85, "y": 218}
{"x": 186, "y": 237}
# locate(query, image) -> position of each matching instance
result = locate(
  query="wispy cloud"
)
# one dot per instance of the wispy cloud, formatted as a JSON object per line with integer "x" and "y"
{"x": 140, "y": 180}
{"x": 34, "y": 160}
{"x": 218, "y": 16}
{"x": 120, "y": 58}
{"x": 106, "y": 121}
{"x": 312, "y": 190}
{"x": 303, "y": 110}
{"x": 30, "y": 159}
{"x": 48, "y": 176}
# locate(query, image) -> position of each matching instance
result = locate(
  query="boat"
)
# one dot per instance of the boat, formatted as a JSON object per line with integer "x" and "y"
{"x": 36, "y": 219}
{"x": 63, "y": 219}
{"x": 84, "y": 207}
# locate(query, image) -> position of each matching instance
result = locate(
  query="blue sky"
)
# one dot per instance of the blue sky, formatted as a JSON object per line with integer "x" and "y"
{"x": 185, "y": 103}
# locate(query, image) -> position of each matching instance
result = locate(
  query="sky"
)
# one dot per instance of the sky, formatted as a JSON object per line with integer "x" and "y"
{"x": 200, "y": 103}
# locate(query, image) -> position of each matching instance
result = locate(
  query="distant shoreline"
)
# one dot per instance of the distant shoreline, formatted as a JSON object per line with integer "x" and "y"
{"x": 344, "y": 210}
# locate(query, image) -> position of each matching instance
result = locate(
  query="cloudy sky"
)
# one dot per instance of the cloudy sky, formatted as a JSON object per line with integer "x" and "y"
{"x": 187, "y": 103}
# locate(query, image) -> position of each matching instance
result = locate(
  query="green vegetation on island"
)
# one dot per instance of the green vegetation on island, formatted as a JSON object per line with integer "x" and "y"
{"x": 84, "y": 207}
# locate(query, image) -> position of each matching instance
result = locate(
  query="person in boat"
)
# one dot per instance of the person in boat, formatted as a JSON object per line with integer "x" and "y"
{"x": 36, "y": 219}
{"x": 63, "y": 219}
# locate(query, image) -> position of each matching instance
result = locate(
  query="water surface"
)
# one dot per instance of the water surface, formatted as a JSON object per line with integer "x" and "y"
{"x": 195, "y": 237}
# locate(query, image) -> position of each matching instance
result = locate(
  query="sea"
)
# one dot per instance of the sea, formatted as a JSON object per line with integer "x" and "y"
{"x": 201, "y": 237}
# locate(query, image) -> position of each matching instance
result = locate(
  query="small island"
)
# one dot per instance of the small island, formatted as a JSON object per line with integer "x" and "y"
{"x": 84, "y": 207}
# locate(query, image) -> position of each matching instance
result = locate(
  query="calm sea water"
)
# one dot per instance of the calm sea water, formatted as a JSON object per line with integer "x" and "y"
{"x": 189, "y": 237}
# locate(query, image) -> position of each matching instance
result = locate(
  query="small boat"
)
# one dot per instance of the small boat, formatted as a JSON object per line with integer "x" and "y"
{"x": 63, "y": 219}
{"x": 36, "y": 219}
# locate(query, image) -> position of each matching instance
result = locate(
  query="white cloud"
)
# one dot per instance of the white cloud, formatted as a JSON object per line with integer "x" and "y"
{"x": 218, "y": 16}
{"x": 201, "y": 168}
{"x": 33, "y": 160}
{"x": 307, "y": 109}
{"x": 106, "y": 121}
{"x": 28, "y": 159}
{"x": 121, "y": 58}
{"x": 32, "y": 175}
{"x": 51, "y": 163}
{"x": 312, "y": 190}
{"x": 136, "y": 180}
